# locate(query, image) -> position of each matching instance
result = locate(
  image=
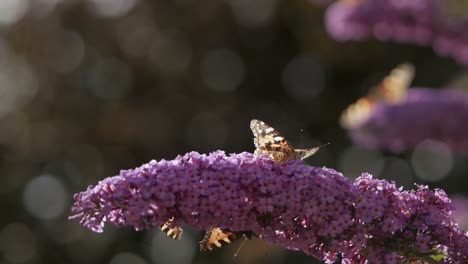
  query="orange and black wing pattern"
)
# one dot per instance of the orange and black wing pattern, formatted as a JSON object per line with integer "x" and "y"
{"x": 216, "y": 237}
{"x": 394, "y": 87}
{"x": 268, "y": 141}
{"x": 392, "y": 90}
{"x": 174, "y": 232}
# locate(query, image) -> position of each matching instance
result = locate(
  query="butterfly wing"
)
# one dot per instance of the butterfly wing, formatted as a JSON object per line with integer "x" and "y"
{"x": 392, "y": 90}
{"x": 305, "y": 153}
{"x": 216, "y": 237}
{"x": 394, "y": 87}
{"x": 174, "y": 232}
{"x": 268, "y": 141}
{"x": 357, "y": 113}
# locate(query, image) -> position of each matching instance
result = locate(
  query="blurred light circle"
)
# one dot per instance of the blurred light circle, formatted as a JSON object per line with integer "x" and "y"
{"x": 135, "y": 34}
{"x": 43, "y": 8}
{"x": 354, "y": 161}
{"x": 432, "y": 160}
{"x": 63, "y": 51}
{"x": 253, "y": 14}
{"x": 222, "y": 70}
{"x": 207, "y": 132}
{"x": 171, "y": 53}
{"x": 12, "y": 10}
{"x": 62, "y": 232}
{"x": 17, "y": 243}
{"x": 127, "y": 258}
{"x": 18, "y": 84}
{"x": 88, "y": 247}
{"x": 16, "y": 134}
{"x": 303, "y": 78}
{"x": 112, "y": 8}
{"x": 45, "y": 197}
{"x": 399, "y": 171}
{"x": 162, "y": 249}
{"x": 109, "y": 79}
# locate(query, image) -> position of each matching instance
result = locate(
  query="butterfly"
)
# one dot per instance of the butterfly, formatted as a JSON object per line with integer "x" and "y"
{"x": 268, "y": 141}
{"x": 172, "y": 232}
{"x": 392, "y": 90}
{"x": 216, "y": 237}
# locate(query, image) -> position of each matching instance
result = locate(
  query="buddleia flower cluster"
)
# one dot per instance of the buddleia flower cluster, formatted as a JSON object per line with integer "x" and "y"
{"x": 441, "y": 24}
{"x": 315, "y": 210}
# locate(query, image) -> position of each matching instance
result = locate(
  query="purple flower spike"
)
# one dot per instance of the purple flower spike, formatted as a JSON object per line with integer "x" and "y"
{"x": 316, "y": 210}
{"x": 423, "y": 22}
{"x": 425, "y": 114}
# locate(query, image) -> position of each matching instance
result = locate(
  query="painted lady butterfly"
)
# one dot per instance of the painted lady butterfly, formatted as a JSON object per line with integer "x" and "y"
{"x": 392, "y": 90}
{"x": 216, "y": 237}
{"x": 268, "y": 141}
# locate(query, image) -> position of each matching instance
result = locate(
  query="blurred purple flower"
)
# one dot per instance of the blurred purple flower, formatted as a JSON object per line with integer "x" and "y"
{"x": 423, "y": 22}
{"x": 316, "y": 210}
{"x": 425, "y": 114}
{"x": 460, "y": 202}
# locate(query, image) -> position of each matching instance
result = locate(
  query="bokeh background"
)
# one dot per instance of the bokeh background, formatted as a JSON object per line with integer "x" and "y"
{"x": 89, "y": 87}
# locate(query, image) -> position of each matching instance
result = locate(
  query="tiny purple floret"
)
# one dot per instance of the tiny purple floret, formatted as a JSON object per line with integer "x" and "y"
{"x": 315, "y": 210}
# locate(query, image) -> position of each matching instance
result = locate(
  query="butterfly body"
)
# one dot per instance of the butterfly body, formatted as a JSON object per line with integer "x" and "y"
{"x": 268, "y": 141}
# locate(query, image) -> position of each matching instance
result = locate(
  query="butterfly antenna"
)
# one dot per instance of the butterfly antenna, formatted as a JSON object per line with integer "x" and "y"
{"x": 323, "y": 145}
{"x": 326, "y": 144}
{"x": 302, "y": 138}
{"x": 234, "y": 257}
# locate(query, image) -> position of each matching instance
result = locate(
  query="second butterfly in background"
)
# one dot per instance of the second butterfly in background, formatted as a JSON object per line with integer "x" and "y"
{"x": 397, "y": 119}
{"x": 392, "y": 90}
